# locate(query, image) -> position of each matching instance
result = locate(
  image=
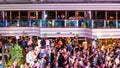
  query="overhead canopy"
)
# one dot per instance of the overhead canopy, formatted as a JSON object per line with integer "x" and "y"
{"x": 58, "y": 1}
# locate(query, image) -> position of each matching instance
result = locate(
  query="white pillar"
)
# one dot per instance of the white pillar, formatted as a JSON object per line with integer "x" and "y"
{"x": 89, "y": 12}
{"x": 40, "y": 23}
{"x": 76, "y": 23}
{"x": 18, "y": 24}
{"x": 53, "y": 22}
{"x": 65, "y": 23}
{"x": 30, "y": 24}
{"x": 104, "y": 23}
{"x": 44, "y": 15}
{"x": 3, "y": 16}
{"x": 116, "y": 23}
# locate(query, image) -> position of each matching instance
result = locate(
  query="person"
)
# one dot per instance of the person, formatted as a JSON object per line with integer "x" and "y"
{"x": 1, "y": 64}
{"x": 36, "y": 64}
{"x": 43, "y": 44}
{"x": 42, "y": 62}
{"x": 30, "y": 58}
{"x": 14, "y": 65}
{"x": 61, "y": 60}
{"x": 27, "y": 65}
{"x": 48, "y": 65}
{"x": 58, "y": 20}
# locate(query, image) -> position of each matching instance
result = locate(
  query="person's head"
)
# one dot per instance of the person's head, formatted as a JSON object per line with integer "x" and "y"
{"x": 67, "y": 66}
{"x": 88, "y": 63}
{"x": 15, "y": 63}
{"x": 27, "y": 64}
{"x": 56, "y": 64}
{"x": 35, "y": 61}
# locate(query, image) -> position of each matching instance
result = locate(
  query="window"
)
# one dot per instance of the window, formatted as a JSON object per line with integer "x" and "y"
{"x": 61, "y": 14}
{"x": 118, "y": 23}
{"x": 81, "y": 14}
{"x": 98, "y": 14}
{"x": 32, "y": 14}
{"x": 7, "y": 15}
{"x": 23, "y": 14}
{"x": 1, "y": 15}
{"x": 111, "y": 14}
{"x": 111, "y": 23}
{"x": 40, "y": 15}
{"x": 51, "y": 14}
{"x": 98, "y": 23}
{"x": 70, "y": 14}
{"x": 119, "y": 15}
{"x": 15, "y": 14}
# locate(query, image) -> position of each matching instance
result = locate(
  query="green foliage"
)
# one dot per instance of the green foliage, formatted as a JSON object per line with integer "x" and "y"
{"x": 45, "y": 34}
{"x": 77, "y": 35}
{"x": 16, "y": 53}
{"x": 0, "y": 36}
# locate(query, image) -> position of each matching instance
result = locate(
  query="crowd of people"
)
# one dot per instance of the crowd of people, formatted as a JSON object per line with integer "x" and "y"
{"x": 69, "y": 53}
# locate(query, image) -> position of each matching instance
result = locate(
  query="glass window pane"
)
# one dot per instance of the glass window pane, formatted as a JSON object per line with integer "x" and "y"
{"x": 71, "y": 23}
{"x": 32, "y": 14}
{"x": 119, "y": 15}
{"x": 70, "y": 14}
{"x": 40, "y": 15}
{"x": 1, "y": 15}
{"x": 81, "y": 14}
{"x": 23, "y": 14}
{"x": 119, "y": 24}
{"x": 61, "y": 14}
{"x": 89, "y": 23}
{"x": 35, "y": 22}
{"x": 111, "y": 23}
{"x": 51, "y": 14}
{"x": 7, "y": 15}
{"x": 46, "y": 23}
{"x": 15, "y": 15}
{"x": 59, "y": 23}
{"x": 111, "y": 14}
{"x": 24, "y": 23}
{"x": 98, "y": 23}
{"x": 98, "y": 14}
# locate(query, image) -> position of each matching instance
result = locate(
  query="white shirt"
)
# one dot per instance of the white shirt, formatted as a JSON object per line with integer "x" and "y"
{"x": 117, "y": 60}
{"x": 30, "y": 58}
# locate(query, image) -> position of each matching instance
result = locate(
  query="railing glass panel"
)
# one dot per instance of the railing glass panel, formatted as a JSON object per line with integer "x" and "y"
{"x": 98, "y": 24}
{"x": 24, "y": 23}
{"x": 46, "y": 23}
{"x": 71, "y": 23}
{"x": 35, "y": 23}
{"x": 111, "y": 23}
{"x": 85, "y": 23}
{"x": 2, "y": 24}
{"x": 59, "y": 23}
{"x": 118, "y": 23}
{"x": 88, "y": 23}
{"x": 13, "y": 23}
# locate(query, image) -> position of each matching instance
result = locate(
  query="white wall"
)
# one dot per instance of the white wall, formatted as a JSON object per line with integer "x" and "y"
{"x": 63, "y": 6}
{"x": 63, "y": 32}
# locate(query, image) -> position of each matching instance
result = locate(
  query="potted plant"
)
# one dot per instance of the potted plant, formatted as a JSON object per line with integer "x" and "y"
{"x": 15, "y": 54}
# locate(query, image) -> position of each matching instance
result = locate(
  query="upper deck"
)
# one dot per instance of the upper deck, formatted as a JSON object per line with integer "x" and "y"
{"x": 103, "y": 16}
